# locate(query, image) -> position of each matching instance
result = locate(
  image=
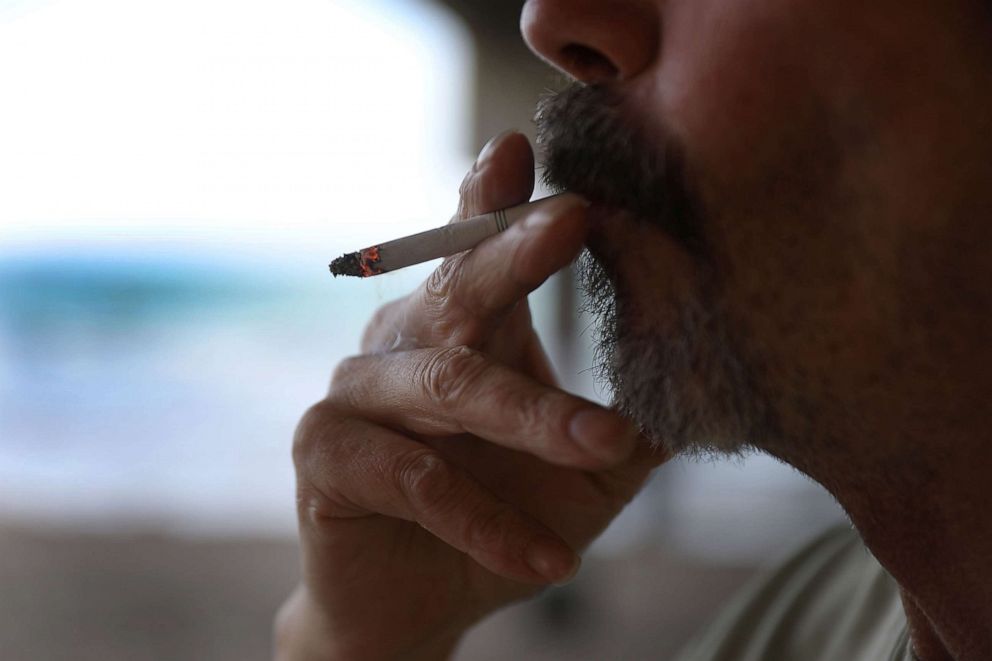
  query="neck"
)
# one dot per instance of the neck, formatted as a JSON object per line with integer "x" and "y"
{"x": 927, "y": 518}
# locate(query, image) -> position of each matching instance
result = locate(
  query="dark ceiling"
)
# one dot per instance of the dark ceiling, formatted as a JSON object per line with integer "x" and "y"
{"x": 508, "y": 77}
{"x": 499, "y": 16}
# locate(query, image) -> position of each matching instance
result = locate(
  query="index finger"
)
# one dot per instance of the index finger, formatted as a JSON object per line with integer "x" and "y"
{"x": 464, "y": 297}
{"x": 501, "y": 177}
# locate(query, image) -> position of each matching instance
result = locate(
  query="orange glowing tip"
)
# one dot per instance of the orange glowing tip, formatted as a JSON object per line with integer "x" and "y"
{"x": 368, "y": 262}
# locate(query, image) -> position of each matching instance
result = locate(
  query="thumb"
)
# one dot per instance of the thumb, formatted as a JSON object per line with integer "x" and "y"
{"x": 502, "y": 176}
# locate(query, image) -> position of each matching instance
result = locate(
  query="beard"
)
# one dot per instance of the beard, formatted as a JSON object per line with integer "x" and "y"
{"x": 681, "y": 376}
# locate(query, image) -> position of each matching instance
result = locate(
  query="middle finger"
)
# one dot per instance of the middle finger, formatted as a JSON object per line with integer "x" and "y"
{"x": 457, "y": 390}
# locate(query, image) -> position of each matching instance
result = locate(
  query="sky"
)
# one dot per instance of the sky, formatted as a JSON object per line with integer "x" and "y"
{"x": 240, "y": 123}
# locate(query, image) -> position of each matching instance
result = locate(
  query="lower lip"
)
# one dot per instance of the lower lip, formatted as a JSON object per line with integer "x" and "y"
{"x": 618, "y": 241}
{"x": 604, "y": 224}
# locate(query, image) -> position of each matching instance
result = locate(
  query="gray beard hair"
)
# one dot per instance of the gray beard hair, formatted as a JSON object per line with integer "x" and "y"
{"x": 683, "y": 383}
{"x": 681, "y": 374}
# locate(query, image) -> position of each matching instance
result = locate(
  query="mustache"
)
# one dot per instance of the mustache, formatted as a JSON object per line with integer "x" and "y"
{"x": 590, "y": 148}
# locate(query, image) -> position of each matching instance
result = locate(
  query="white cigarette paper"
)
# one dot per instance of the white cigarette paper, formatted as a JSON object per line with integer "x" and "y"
{"x": 422, "y": 247}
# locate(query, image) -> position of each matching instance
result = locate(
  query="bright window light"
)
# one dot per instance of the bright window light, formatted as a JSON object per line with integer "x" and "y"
{"x": 291, "y": 122}
{"x": 174, "y": 178}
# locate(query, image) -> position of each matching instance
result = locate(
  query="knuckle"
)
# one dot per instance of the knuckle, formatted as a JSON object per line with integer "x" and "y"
{"x": 470, "y": 193}
{"x": 306, "y": 432}
{"x": 454, "y": 320}
{"x": 533, "y": 413}
{"x": 382, "y": 324}
{"x": 447, "y": 374}
{"x": 325, "y": 448}
{"x": 322, "y": 422}
{"x": 441, "y": 281}
{"x": 344, "y": 370}
{"x": 615, "y": 491}
{"x": 310, "y": 504}
{"x": 528, "y": 413}
{"x": 456, "y": 329}
{"x": 354, "y": 379}
{"x": 317, "y": 508}
{"x": 492, "y": 529}
{"x": 460, "y": 329}
{"x": 426, "y": 478}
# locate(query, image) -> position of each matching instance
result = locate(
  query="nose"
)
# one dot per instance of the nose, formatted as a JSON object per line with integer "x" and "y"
{"x": 593, "y": 41}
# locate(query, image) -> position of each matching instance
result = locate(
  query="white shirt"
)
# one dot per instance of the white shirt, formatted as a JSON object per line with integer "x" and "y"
{"x": 831, "y": 601}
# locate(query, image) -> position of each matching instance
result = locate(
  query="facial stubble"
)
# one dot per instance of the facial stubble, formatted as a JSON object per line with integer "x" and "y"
{"x": 676, "y": 370}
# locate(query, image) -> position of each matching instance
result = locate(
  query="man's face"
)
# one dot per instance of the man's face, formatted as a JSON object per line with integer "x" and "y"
{"x": 793, "y": 203}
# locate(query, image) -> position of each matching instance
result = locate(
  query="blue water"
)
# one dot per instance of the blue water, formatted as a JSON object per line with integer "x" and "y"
{"x": 157, "y": 390}
{"x": 163, "y": 390}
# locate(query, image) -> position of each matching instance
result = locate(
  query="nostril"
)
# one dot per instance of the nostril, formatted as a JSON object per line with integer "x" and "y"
{"x": 589, "y": 65}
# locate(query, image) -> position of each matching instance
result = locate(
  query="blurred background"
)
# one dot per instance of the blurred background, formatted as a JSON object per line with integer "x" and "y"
{"x": 174, "y": 178}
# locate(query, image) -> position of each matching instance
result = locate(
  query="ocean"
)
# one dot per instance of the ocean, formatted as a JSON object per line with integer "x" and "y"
{"x": 163, "y": 390}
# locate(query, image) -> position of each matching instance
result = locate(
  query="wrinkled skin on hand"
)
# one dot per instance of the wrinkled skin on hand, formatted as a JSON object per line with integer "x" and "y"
{"x": 444, "y": 475}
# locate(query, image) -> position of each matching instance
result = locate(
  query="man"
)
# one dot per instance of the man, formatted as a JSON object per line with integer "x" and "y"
{"x": 790, "y": 222}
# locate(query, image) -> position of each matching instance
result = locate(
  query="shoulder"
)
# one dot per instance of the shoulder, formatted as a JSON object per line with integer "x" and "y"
{"x": 829, "y": 600}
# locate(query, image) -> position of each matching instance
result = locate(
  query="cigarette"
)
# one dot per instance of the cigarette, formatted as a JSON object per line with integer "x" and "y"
{"x": 432, "y": 244}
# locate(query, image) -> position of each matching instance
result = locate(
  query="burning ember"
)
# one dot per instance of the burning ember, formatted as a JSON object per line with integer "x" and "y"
{"x": 369, "y": 262}
{"x": 362, "y": 264}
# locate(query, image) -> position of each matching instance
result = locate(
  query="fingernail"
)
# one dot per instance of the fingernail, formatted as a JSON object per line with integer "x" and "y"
{"x": 552, "y": 560}
{"x": 490, "y": 148}
{"x": 603, "y": 434}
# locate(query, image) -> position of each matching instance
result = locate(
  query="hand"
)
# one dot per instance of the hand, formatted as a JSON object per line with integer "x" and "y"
{"x": 445, "y": 474}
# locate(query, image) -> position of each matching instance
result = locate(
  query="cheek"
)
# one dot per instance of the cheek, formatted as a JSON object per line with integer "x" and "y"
{"x": 734, "y": 74}
{"x": 771, "y": 157}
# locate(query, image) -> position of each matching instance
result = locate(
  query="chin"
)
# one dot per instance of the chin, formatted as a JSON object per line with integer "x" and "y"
{"x": 663, "y": 345}
{"x": 648, "y": 268}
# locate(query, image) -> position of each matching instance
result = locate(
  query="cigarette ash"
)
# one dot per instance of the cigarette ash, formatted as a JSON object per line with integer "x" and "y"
{"x": 361, "y": 264}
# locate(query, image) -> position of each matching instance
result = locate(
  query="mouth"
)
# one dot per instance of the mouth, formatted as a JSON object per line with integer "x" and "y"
{"x": 594, "y": 144}
{"x": 603, "y": 237}
{"x": 646, "y": 267}
{"x": 621, "y": 241}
